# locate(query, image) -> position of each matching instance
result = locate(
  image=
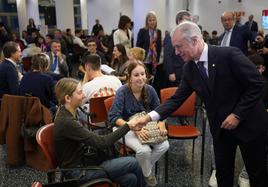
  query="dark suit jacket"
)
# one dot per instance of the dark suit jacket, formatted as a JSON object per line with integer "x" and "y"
{"x": 63, "y": 67}
{"x": 9, "y": 80}
{"x": 172, "y": 63}
{"x": 143, "y": 41}
{"x": 234, "y": 86}
{"x": 240, "y": 37}
{"x": 254, "y": 26}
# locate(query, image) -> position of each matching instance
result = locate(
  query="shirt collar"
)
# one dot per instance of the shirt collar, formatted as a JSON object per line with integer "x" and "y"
{"x": 14, "y": 63}
{"x": 204, "y": 54}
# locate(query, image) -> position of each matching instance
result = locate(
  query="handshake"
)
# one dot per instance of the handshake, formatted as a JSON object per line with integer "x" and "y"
{"x": 137, "y": 123}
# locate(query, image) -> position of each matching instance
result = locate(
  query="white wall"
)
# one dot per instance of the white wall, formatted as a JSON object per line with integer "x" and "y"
{"x": 107, "y": 11}
{"x": 210, "y": 11}
{"x": 64, "y": 14}
{"x": 126, "y": 8}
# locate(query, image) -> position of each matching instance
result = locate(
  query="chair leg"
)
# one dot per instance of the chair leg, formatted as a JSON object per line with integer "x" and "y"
{"x": 193, "y": 147}
{"x": 156, "y": 166}
{"x": 203, "y": 145}
{"x": 166, "y": 167}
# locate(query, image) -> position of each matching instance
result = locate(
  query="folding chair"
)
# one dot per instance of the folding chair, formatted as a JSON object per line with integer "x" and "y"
{"x": 97, "y": 113}
{"x": 187, "y": 109}
{"x": 45, "y": 139}
{"x": 123, "y": 149}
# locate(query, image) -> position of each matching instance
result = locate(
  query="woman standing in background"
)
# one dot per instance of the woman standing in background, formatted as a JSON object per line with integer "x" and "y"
{"x": 149, "y": 38}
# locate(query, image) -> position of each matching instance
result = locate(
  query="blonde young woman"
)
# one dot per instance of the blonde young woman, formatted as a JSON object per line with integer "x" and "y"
{"x": 134, "y": 97}
{"x": 71, "y": 139}
{"x": 149, "y": 38}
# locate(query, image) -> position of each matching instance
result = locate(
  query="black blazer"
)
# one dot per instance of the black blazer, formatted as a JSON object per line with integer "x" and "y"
{"x": 9, "y": 79}
{"x": 234, "y": 86}
{"x": 254, "y": 26}
{"x": 143, "y": 41}
{"x": 240, "y": 37}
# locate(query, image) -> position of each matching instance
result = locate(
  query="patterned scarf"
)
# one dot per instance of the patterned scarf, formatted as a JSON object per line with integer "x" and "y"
{"x": 152, "y": 50}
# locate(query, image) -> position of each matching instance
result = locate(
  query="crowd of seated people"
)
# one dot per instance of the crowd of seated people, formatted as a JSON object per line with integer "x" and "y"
{"x": 53, "y": 57}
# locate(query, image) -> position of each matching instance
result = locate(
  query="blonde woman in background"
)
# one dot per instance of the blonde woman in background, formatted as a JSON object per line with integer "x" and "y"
{"x": 136, "y": 53}
{"x": 149, "y": 38}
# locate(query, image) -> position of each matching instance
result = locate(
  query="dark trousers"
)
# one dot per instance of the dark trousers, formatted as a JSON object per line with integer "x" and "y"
{"x": 254, "y": 155}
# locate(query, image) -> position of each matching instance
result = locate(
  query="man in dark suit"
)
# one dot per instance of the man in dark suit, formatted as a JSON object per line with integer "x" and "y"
{"x": 9, "y": 76}
{"x": 230, "y": 86}
{"x": 58, "y": 66}
{"x": 252, "y": 25}
{"x": 236, "y": 36}
{"x": 173, "y": 63}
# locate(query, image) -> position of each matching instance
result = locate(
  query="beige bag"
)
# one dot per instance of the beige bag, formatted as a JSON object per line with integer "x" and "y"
{"x": 154, "y": 132}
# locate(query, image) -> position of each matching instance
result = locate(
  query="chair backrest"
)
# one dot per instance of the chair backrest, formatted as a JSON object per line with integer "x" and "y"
{"x": 97, "y": 109}
{"x": 26, "y": 61}
{"x": 45, "y": 139}
{"x": 108, "y": 103}
{"x": 186, "y": 109}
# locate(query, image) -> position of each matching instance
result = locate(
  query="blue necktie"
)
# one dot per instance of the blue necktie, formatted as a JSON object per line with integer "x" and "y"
{"x": 202, "y": 70}
{"x": 54, "y": 64}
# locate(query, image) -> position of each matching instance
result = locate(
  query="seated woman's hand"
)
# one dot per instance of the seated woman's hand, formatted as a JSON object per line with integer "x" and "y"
{"x": 143, "y": 134}
{"x": 162, "y": 128}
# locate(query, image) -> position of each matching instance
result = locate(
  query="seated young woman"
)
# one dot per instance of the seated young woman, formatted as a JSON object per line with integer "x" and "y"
{"x": 71, "y": 139}
{"x": 134, "y": 97}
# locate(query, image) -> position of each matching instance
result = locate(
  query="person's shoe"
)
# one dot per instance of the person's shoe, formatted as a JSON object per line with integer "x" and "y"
{"x": 212, "y": 180}
{"x": 243, "y": 180}
{"x": 150, "y": 180}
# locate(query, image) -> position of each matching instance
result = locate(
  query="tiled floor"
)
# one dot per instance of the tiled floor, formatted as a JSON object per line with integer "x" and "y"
{"x": 184, "y": 170}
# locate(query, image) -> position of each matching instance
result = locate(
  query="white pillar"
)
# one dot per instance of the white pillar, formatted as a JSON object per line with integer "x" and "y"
{"x": 84, "y": 15}
{"x": 22, "y": 15}
{"x": 64, "y": 14}
{"x": 33, "y": 11}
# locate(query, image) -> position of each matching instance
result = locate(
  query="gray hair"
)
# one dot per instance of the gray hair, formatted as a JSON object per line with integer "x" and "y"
{"x": 181, "y": 14}
{"x": 188, "y": 30}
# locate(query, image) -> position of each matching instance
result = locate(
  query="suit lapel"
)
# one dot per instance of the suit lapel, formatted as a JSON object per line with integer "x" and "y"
{"x": 233, "y": 36}
{"x": 211, "y": 68}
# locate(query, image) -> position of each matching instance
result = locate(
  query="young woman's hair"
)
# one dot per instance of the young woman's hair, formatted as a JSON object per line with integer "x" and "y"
{"x": 150, "y": 14}
{"x": 144, "y": 95}
{"x": 65, "y": 86}
{"x": 40, "y": 62}
{"x": 123, "y": 57}
{"x": 138, "y": 53}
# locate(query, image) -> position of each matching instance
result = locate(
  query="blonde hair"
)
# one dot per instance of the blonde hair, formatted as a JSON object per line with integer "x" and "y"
{"x": 150, "y": 14}
{"x": 138, "y": 53}
{"x": 65, "y": 86}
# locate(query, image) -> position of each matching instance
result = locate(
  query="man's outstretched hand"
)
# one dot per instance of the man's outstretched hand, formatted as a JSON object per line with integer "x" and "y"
{"x": 137, "y": 123}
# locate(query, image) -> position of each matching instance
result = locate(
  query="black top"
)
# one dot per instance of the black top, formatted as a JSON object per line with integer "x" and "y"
{"x": 70, "y": 136}
{"x": 40, "y": 85}
{"x": 9, "y": 79}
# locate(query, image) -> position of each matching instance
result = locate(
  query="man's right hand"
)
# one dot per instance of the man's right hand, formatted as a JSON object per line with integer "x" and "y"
{"x": 137, "y": 123}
